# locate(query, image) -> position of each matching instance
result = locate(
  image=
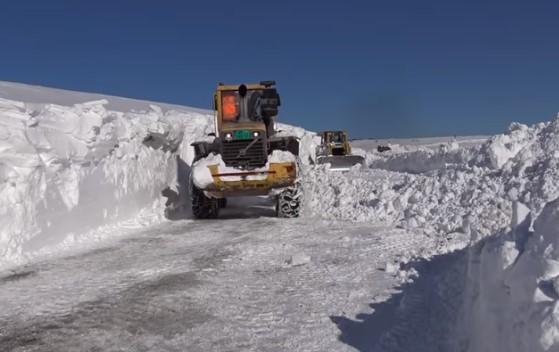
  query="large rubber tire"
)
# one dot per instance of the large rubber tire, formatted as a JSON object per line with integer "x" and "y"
{"x": 203, "y": 207}
{"x": 222, "y": 202}
{"x": 288, "y": 202}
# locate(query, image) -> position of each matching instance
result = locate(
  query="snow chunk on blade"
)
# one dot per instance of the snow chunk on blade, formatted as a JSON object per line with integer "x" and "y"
{"x": 202, "y": 177}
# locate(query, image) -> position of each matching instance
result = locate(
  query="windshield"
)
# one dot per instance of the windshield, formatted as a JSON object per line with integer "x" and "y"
{"x": 335, "y": 137}
{"x": 236, "y": 108}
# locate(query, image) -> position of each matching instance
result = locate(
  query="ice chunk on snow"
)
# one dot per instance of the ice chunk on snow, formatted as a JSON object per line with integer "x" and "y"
{"x": 298, "y": 259}
{"x": 281, "y": 156}
{"x": 509, "y": 253}
{"x": 501, "y": 148}
{"x": 519, "y": 213}
{"x": 391, "y": 268}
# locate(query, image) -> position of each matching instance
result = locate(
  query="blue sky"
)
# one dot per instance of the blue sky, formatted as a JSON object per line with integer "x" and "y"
{"x": 399, "y": 68}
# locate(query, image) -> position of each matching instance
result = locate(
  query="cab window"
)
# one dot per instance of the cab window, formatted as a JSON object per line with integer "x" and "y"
{"x": 230, "y": 106}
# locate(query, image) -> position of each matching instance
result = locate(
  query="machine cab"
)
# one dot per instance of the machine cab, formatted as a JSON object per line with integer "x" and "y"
{"x": 335, "y": 137}
{"x": 335, "y": 143}
{"x": 245, "y": 122}
{"x": 245, "y": 111}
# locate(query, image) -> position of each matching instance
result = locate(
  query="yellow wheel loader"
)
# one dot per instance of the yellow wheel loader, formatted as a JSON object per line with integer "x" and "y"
{"x": 246, "y": 157}
{"x": 335, "y": 150}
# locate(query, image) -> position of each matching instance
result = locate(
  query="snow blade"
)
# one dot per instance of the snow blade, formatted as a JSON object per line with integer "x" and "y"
{"x": 340, "y": 162}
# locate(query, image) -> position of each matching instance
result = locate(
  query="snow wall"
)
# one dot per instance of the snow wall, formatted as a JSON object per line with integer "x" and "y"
{"x": 69, "y": 170}
{"x": 511, "y": 300}
{"x": 511, "y": 292}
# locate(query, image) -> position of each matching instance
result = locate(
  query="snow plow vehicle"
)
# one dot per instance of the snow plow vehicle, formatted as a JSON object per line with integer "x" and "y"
{"x": 246, "y": 156}
{"x": 335, "y": 150}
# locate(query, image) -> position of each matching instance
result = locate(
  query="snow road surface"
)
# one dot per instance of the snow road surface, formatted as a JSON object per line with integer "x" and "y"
{"x": 247, "y": 283}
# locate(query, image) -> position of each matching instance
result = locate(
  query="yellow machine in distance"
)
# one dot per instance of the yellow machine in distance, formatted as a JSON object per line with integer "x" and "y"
{"x": 335, "y": 150}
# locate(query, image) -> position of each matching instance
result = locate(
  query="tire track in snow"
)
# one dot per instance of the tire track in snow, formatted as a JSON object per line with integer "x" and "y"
{"x": 239, "y": 292}
{"x": 420, "y": 316}
{"x": 427, "y": 314}
{"x": 288, "y": 307}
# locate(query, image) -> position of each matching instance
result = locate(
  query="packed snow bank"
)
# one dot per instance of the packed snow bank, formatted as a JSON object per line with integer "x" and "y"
{"x": 450, "y": 191}
{"x": 421, "y": 159}
{"x": 481, "y": 199}
{"x": 453, "y": 203}
{"x": 308, "y": 141}
{"x": 531, "y": 173}
{"x": 38, "y": 95}
{"x": 501, "y": 148}
{"x": 412, "y": 144}
{"x": 67, "y": 170}
{"x": 512, "y": 301}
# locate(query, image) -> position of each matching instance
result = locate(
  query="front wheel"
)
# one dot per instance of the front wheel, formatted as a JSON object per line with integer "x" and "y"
{"x": 203, "y": 207}
{"x": 222, "y": 202}
{"x": 288, "y": 202}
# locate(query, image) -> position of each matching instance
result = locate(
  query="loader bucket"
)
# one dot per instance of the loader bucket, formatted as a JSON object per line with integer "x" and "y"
{"x": 238, "y": 183}
{"x": 341, "y": 162}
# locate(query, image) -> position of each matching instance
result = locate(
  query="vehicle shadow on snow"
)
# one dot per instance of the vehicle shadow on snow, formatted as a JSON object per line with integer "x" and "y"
{"x": 419, "y": 316}
{"x": 131, "y": 317}
{"x": 178, "y": 205}
{"x": 248, "y": 208}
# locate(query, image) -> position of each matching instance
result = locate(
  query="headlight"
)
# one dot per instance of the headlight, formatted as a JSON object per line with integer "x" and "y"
{"x": 255, "y": 134}
{"x": 228, "y": 136}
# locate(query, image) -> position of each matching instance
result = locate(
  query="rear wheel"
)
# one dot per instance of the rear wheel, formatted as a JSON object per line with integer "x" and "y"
{"x": 203, "y": 207}
{"x": 288, "y": 202}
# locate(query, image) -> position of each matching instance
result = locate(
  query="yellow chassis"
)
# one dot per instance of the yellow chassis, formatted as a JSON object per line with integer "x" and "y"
{"x": 278, "y": 175}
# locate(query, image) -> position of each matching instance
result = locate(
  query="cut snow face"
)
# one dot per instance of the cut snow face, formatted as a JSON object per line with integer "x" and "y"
{"x": 67, "y": 170}
{"x": 511, "y": 290}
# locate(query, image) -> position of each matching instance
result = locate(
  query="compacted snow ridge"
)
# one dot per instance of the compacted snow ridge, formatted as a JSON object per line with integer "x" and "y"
{"x": 442, "y": 244}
